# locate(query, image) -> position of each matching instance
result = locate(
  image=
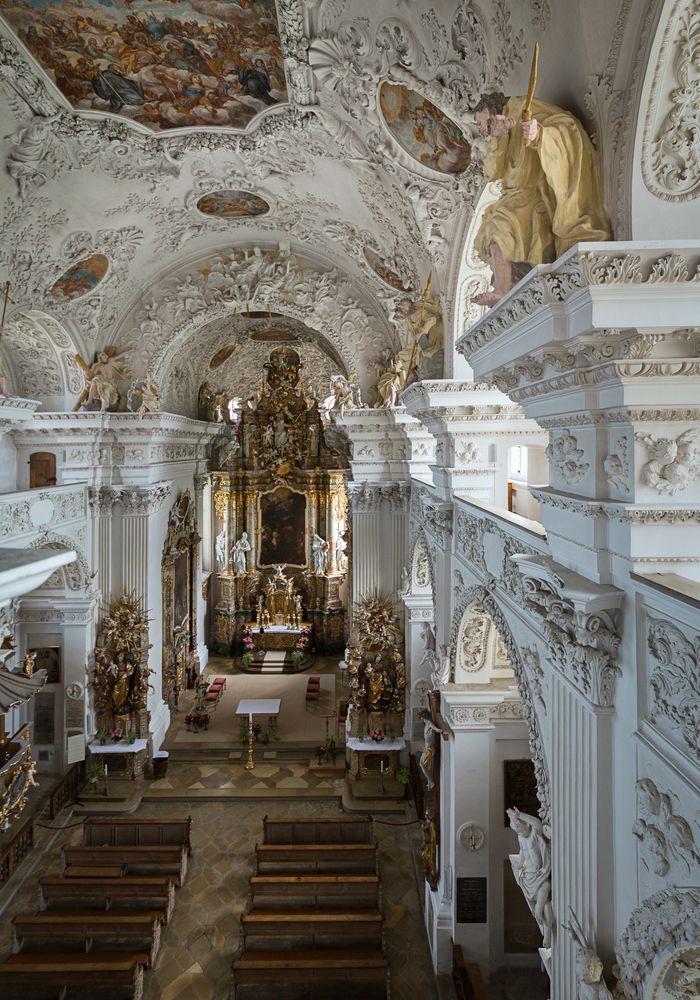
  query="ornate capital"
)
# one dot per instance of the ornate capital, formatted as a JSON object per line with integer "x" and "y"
{"x": 139, "y": 501}
{"x": 579, "y": 623}
{"x": 368, "y": 497}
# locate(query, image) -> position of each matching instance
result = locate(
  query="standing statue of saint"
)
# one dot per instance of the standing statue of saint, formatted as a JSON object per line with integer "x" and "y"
{"x": 220, "y": 547}
{"x": 319, "y": 554}
{"x": 550, "y": 192}
{"x": 427, "y": 757}
{"x": 533, "y": 869}
{"x": 240, "y": 554}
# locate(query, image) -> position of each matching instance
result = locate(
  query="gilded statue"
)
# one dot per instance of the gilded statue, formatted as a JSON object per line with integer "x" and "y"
{"x": 550, "y": 191}
{"x": 429, "y": 849}
{"x": 374, "y": 680}
{"x": 122, "y": 671}
{"x": 427, "y": 757}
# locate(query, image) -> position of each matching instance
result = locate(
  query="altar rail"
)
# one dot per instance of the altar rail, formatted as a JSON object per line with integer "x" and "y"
{"x": 16, "y": 850}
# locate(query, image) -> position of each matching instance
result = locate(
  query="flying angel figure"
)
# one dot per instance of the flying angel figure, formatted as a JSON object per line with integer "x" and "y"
{"x": 674, "y": 463}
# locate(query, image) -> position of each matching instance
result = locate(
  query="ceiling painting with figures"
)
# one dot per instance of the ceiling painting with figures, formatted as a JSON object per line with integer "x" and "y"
{"x": 162, "y": 63}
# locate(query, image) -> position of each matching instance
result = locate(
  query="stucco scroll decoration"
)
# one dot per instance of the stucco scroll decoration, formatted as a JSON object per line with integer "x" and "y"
{"x": 671, "y": 155}
{"x": 664, "y": 922}
{"x": 251, "y": 277}
{"x": 479, "y": 595}
{"x": 473, "y": 641}
{"x": 421, "y": 575}
{"x": 674, "y": 680}
{"x": 581, "y": 633}
{"x": 667, "y": 837}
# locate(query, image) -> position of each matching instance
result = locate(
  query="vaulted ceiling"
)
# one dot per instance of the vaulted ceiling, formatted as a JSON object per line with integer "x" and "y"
{"x": 173, "y": 164}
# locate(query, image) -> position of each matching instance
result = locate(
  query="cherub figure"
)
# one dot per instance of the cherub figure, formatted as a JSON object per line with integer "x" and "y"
{"x": 150, "y": 399}
{"x": 102, "y": 378}
{"x": 674, "y": 463}
{"x": 589, "y": 968}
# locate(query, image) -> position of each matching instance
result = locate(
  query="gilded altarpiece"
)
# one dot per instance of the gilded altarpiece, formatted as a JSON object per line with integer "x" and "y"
{"x": 179, "y": 572}
{"x": 280, "y": 501}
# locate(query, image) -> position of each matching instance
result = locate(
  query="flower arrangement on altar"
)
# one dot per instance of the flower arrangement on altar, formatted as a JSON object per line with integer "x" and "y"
{"x": 377, "y": 735}
{"x": 116, "y": 735}
{"x": 302, "y": 646}
{"x": 248, "y": 646}
{"x": 197, "y": 720}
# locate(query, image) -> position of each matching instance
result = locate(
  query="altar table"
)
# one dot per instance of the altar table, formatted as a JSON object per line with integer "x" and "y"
{"x": 261, "y": 706}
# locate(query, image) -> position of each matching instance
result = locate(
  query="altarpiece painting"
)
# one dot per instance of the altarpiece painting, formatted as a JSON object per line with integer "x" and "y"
{"x": 282, "y": 528}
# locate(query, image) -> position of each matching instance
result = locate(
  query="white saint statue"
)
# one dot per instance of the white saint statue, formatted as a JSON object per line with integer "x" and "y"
{"x": 443, "y": 668}
{"x": 220, "y": 546}
{"x": 533, "y": 869}
{"x": 240, "y": 554}
{"x": 319, "y": 553}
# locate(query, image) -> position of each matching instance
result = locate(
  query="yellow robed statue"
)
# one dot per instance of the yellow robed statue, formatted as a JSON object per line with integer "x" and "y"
{"x": 550, "y": 191}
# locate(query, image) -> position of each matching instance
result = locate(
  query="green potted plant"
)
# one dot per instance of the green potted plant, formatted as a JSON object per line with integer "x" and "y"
{"x": 247, "y": 660}
{"x": 101, "y": 736}
{"x": 404, "y": 776}
{"x": 92, "y": 775}
{"x": 131, "y": 737}
{"x": 297, "y": 657}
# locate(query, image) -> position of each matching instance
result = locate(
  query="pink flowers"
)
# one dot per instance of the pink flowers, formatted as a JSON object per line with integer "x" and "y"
{"x": 116, "y": 735}
{"x": 247, "y": 640}
{"x": 377, "y": 735}
{"x": 304, "y": 640}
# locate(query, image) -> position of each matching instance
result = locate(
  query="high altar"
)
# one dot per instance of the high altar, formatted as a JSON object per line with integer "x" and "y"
{"x": 280, "y": 511}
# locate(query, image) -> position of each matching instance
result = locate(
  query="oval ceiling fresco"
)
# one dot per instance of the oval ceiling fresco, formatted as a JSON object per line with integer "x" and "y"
{"x": 423, "y": 131}
{"x": 383, "y": 271}
{"x": 229, "y": 204}
{"x": 162, "y": 63}
{"x": 81, "y": 278}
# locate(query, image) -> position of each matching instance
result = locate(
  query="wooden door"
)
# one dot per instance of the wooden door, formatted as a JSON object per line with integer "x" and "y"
{"x": 42, "y": 469}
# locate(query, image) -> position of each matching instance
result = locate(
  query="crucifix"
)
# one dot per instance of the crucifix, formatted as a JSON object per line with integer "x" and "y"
{"x": 6, "y": 293}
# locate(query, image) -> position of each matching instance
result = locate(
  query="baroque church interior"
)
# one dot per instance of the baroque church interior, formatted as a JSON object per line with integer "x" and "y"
{"x": 349, "y": 489}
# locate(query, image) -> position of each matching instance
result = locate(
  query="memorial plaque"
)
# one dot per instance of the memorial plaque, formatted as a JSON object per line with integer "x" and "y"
{"x": 471, "y": 900}
{"x": 75, "y": 713}
{"x": 519, "y": 788}
{"x": 44, "y": 703}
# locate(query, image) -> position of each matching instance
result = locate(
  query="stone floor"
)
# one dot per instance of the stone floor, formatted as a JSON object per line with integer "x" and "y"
{"x": 203, "y": 935}
{"x": 219, "y": 780}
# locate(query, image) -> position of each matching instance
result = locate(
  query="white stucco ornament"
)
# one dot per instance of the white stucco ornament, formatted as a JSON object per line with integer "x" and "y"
{"x": 471, "y": 836}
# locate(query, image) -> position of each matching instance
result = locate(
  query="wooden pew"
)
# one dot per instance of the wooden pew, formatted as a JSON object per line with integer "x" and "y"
{"x": 145, "y": 892}
{"x": 275, "y": 930}
{"x": 311, "y": 858}
{"x": 329, "y": 892}
{"x": 133, "y": 859}
{"x": 96, "y": 974}
{"x": 101, "y": 831}
{"x": 93, "y": 871}
{"x": 343, "y": 974}
{"x": 344, "y": 830}
{"x": 88, "y": 930}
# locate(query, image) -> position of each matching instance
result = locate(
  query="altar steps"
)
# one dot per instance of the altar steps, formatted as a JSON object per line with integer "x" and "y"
{"x": 234, "y": 753}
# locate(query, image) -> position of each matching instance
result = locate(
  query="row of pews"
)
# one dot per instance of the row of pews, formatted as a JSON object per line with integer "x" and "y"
{"x": 313, "y": 925}
{"x": 99, "y": 924}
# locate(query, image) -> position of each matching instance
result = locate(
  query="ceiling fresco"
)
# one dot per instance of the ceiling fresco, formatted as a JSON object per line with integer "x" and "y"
{"x": 229, "y": 204}
{"x": 423, "y": 130}
{"x": 163, "y": 63}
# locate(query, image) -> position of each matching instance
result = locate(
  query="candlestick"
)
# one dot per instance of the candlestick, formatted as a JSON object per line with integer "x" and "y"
{"x": 250, "y": 763}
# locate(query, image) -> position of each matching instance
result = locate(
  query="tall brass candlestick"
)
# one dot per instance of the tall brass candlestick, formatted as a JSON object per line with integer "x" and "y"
{"x": 250, "y": 763}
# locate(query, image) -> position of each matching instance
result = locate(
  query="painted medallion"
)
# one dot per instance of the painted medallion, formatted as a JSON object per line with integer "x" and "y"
{"x": 163, "y": 63}
{"x": 423, "y": 131}
{"x": 232, "y": 205}
{"x": 383, "y": 271}
{"x": 80, "y": 279}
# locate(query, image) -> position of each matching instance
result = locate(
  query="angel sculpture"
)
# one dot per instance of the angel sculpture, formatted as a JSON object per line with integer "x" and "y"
{"x": 340, "y": 398}
{"x": 150, "y": 399}
{"x": 589, "y": 968}
{"x": 674, "y": 463}
{"x": 102, "y": 379}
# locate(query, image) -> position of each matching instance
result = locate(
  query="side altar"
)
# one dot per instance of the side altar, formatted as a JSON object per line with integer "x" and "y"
{"x": 281, "y": 520}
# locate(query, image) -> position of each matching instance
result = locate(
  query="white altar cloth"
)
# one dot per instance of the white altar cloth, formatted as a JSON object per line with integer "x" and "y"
{"x": 136, "y": 747}
{"x": 354, "y": 744}
{"x": 259, "y": 706}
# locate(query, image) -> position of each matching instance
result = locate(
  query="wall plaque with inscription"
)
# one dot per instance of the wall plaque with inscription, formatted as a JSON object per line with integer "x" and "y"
{"x": 44, "y": 717}
{"x": 471, "y": 900}
{"x": 75, "y": 714}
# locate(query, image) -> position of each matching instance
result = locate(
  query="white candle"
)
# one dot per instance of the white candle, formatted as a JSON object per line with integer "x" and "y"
{"x": 250, "y": 720}
{"x": 381, "y": 766}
